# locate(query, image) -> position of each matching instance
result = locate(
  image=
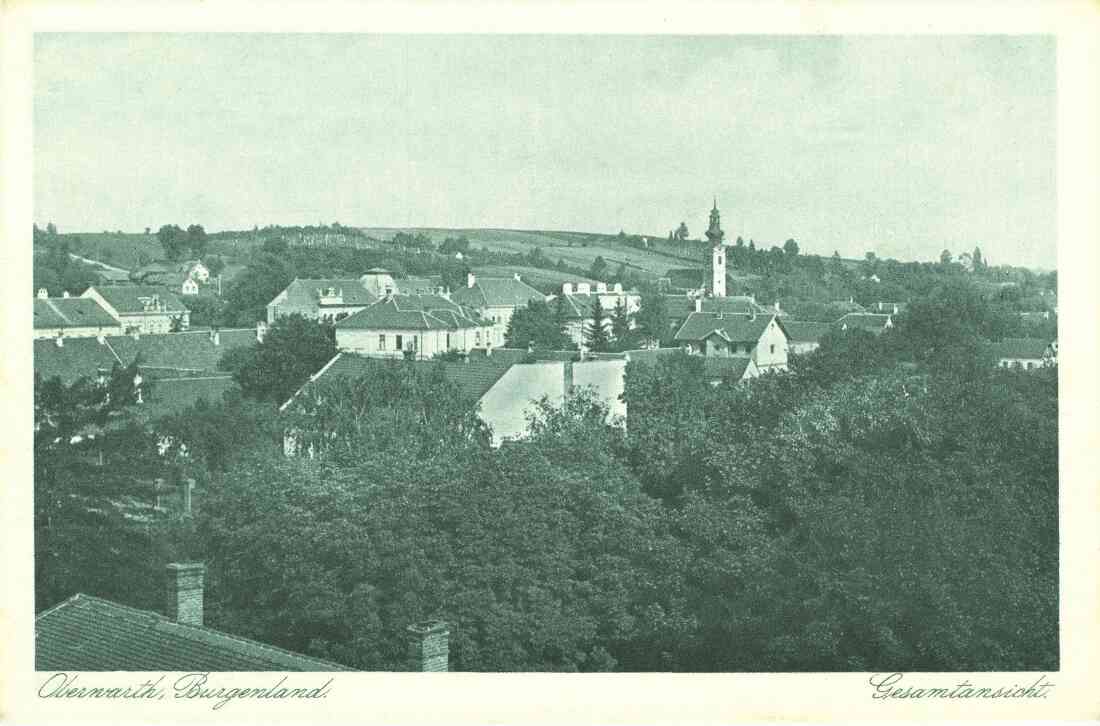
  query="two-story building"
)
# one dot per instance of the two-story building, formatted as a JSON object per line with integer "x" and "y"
{"x": 495, "y": 299}
{"x": 416, "y": 326}
{"x": 329, "y": 299}
{"x": 762, "y": 338}
{"x": 141, "y": 308}
{"x": 580, "y": 300}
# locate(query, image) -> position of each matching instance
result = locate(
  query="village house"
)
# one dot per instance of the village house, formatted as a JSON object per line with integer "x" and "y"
{"x": 328, "y": 299}
{"x": 86, "y": 633}
{"x": 762, "y": 338}
{"x": 71, "y": 317}
{"x": 196, "y": 270}
{"x": 495, "y": 299}
{"x": 417, "y": 326}
{"x": 580, "y": 300}
{"x": 889, "y": 308}
{"x": 1025, "y": 353}
{"x": 876, "y": 323}
{"x": 804, "y": 336}
{"x": 141, "y": 308}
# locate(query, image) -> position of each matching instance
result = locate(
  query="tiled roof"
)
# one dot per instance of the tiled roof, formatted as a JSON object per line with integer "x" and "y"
{"x": 1024, "y": 348}
{"x": 416, "y": 285}
{"x": 87, "y": 633}
{"x": 171, "y": 395}
{"x": 71, "y": 312}
{"x": 474, "y": 376}
{"x": 307, "y": 291}
{"x": 160, "y": 354}
{"x": 734, "y": 328}
{"x": 77, "y": 358}
{"x": 412, "y": 312}
{"x": 497, "y": 291}
{"x": 130, "y": 298}
{"x": 803, "y": 331}
{"x": 873, "y": 322}
{"x": 729, "y": 367}
{"x": 190, "y": 351}
{"x": 734, "y": 305}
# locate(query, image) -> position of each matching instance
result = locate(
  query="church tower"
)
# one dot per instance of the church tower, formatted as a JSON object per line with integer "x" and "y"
{"x": 716, "y": 286}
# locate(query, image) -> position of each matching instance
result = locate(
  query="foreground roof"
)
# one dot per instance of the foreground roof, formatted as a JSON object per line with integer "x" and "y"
{"x": 172, "y": 395}
{"x": 129, "y": 299}
{"x": 86, "y": 633}
{"x": 412, "y": 312}
{"x": 77, "y": 358}
{"x": 734, "y": 328}
{"x": 497, "y": 291}
{"x": 1024, "y": 348}
{"x": 71, "y": 312}
{"x": 474, "y": 375}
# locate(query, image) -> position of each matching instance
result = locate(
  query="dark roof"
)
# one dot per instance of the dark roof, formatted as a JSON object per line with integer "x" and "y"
{"x": 803, "y": 331}
{"x": 474, "y": 376}
{"x": 131, "y": 298}
{"x": 77, "y": 358}
{"x": 873, "y": 322}
{"x": 1024, "y": 348}
{"x": 71, "y": 312}
{"x": 734, "y": 328}
{"x": 188, "y": 351}
{"x": 171, "y": 395}
{"x": 86, "y": 633}
{"x": 307, "y": 291}
{"x": 726, "y": 366}
{"x": 192, "y": 352}
{"x": 736, "y": 305}
{"x": 497, "y": 291}
{"x": 412, "y": 312}
{"x": 113, "y": 276}
{"x": 416, "y": 285}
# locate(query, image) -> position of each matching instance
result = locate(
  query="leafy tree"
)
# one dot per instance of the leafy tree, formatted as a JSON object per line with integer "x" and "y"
{"x": 791, "y": 247}
{"x": 596, "y": 336}
{"x": 451, "y": 245}
{"x": 682, "y": 232}
{"x": 268, "y": 273}
{"x": 598, "y": 268}
{"x": 215, "y": 264}
{"x": 174, "y": 240}
{"x": 536, "y": 326}
{"x": 652, "y": 317}
{"x": 196, "y": 239}
{"x": 945, "y": 258}
{"x": 978, "y": 260}
{"x": 293, "y": 349}
{"x": 51, "y": 229}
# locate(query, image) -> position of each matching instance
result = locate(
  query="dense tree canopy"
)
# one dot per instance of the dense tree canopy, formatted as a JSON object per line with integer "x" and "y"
{"x": 293, "y": 349}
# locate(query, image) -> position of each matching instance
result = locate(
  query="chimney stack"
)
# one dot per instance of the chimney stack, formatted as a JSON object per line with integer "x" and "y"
{"x": 60, "y": 340}
{"x": 470, "y": 279}
{"x": 516, "y": 276}
{"x": 429, "y": 647}
{"x": 215, "y": 337}
{"x": 65, "y": 294}
{"x": 567, "y": 288}
{"x": 698, "y": 304}
{"x": 183, "y": 592}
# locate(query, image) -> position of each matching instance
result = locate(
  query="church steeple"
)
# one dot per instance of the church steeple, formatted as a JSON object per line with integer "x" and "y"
{"x": 714, "y": 230}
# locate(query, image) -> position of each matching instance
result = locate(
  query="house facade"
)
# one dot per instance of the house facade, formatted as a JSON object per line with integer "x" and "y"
{"x": 496, "y": 299}
{"x": 416, "y": 326}
{"x": 1026, "y": 353}
{"x": 762, "y": 338}
{"x": 328, "y": 299}
{"x": 141, "y": 308}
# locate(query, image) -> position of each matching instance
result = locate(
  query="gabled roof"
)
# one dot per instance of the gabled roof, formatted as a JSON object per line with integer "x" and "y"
{"x": 77, "y": 358}
{"x": 733, "y": 328}
{"x": 734, "y": 305}
{"x": 86, "y": 633}
{"x": 474, "y": 376}
{"x": 412, "y": 312}
{"x": 186, "y": 351}
{"x": 804, "y": 331}
{"x": 130, "y": 299}
{"x": 71, "y": 312}
{"x": 308, "y": 291}
{"x": 729, "y": 367}
{"x": 497, "y": 291}
{"x": 416, "y": 285}
{"x": 1023, "y": 348}
{"x": 873, "y": 322}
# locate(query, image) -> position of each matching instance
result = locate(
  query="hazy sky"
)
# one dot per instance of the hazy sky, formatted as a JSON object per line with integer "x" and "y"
{"x": 901, "y": 145}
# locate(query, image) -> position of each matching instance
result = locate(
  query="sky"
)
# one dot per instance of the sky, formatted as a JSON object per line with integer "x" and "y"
{"x": 901, "y": 145}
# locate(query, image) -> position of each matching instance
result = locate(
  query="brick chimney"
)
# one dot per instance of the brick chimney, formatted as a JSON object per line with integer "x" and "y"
{"x": 429, "y": 646}
{"x": 183, "y": 592}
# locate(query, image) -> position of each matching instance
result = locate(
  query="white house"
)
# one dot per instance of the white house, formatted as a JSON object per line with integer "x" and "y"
{"x": 762, "y": 338}
{"x": 416, "y": 326}
{"x": 580, "y": 300}
{"x": 495, "y": 299}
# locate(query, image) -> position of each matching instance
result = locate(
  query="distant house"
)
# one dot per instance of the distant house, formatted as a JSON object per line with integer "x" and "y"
{"x": 86, "y": 633}
{"x": 871, "y": 322}
{"x": 72, "y": 317}
{"x": 804, "y": 336}
{"x": 329, "y": 299}
{"x": 196, "y": 270}
{"x": 418, "y": 326}
{"x": 889, "y": 308}
{"x": 1025, "y": 353}
{"x": 495, "y": 299}
{"x": 762, "y": 338}
{"x": 141, "y": 308}
{"x": 189, "y": 286}
{"x": 580, "y": 300}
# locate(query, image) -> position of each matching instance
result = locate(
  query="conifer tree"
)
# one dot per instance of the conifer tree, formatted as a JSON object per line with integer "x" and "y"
{"x": 595, "y": 332}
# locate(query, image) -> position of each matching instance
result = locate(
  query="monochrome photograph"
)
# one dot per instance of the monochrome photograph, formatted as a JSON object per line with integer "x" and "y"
{"x": 545, "y": 353}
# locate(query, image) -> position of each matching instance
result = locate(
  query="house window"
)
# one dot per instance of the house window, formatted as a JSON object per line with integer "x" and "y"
{"x": 477, "y": 337}
{"x": 773, "y": 348}
{"x": 413, "y": 343}
{"x": 448, "y": 341}
{"x": 398, "y": 342}
{"x": 381, "y": 342}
